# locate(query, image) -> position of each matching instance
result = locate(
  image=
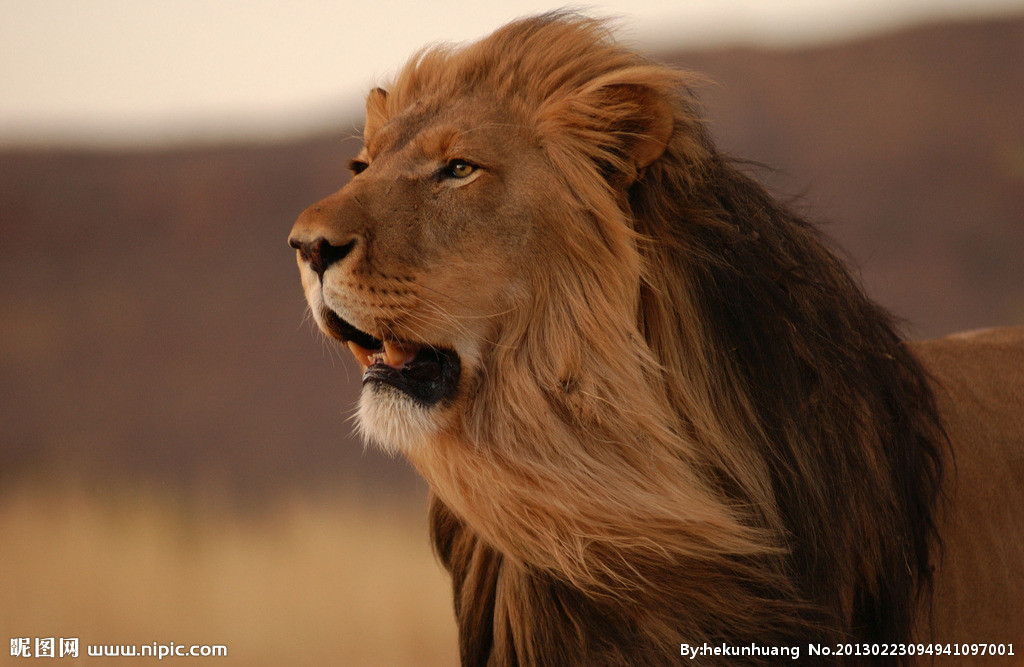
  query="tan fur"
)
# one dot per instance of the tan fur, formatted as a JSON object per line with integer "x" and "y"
{"x": 679, "y": 420}
{"x": 979, "y": 586}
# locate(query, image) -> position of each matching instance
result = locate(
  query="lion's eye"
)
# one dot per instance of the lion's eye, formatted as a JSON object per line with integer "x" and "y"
{"x": 358, "y": 166}
{"x": 459, "y": 169}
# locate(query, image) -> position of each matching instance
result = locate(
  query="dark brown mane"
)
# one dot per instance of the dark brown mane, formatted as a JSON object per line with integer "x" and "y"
{"x": 852, "y": 436}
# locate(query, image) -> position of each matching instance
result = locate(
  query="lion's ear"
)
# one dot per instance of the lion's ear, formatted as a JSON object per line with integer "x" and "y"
{"x": 645, "y": 129}
{"x": 376, "y": 103}
{"x": 623, "y": 126}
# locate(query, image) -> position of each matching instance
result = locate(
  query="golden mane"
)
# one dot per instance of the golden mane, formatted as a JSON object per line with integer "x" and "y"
{"x": 691, "y": 424}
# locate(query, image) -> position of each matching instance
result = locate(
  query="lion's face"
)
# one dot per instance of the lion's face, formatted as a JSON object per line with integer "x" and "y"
{"x": 414, "y": 262}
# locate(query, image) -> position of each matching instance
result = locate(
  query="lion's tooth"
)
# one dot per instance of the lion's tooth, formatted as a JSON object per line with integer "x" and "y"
{"x": 395, "y": 355}
{"x": 362, "y": 355}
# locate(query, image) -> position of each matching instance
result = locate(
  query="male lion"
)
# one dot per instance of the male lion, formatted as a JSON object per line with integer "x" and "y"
{"x": 653, "y": 408}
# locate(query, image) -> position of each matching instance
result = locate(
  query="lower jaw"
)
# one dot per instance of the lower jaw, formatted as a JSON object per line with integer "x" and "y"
{"x": 430, "y": 378}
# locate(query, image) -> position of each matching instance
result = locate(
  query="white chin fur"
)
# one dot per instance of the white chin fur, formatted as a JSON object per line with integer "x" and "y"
{"x": 393, "y": 421}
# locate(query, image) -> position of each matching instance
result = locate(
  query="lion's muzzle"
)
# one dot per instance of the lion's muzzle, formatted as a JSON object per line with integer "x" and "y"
{"x": 324, "y": 237}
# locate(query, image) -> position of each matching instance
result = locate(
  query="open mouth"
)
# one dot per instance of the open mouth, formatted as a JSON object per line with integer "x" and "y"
{"x": 428, "y": 374}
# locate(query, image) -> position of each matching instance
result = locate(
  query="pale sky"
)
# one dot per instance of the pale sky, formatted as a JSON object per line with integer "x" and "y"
{"x": 120, "y": 72}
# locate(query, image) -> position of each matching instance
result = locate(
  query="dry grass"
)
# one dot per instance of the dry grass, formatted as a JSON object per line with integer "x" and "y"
{"x": 310, "y": 583}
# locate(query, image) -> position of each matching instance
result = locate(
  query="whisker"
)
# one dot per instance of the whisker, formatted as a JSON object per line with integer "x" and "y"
{"x": 442, "y": 310}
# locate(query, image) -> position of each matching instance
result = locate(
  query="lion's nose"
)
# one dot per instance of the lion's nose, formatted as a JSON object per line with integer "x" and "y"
{"x": 319, "y": 253}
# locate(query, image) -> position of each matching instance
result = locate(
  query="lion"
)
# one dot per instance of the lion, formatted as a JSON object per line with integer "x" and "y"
{"x": 652, "y": 405}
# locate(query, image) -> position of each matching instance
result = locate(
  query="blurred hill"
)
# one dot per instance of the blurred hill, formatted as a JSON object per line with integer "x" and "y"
{"x": 151, "y": 321}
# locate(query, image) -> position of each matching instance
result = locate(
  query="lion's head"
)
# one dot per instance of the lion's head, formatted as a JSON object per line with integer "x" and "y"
{"x": 484, "y": 227}
{"x": 616, "y": 359}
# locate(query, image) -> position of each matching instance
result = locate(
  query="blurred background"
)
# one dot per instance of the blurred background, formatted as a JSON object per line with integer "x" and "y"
{"x": 177, "y": 462}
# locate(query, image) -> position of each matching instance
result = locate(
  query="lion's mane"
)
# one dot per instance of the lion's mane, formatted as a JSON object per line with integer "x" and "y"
{"x": 698, "y": 428}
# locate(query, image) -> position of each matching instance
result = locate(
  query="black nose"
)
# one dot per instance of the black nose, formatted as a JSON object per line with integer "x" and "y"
{"x": 320, "y": 253}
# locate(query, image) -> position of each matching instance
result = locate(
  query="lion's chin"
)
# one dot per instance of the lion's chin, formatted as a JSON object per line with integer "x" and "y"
{"x": 394, "y": 421}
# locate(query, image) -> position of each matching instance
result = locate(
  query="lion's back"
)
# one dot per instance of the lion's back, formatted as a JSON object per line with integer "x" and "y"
{"x": 978, "y": 379}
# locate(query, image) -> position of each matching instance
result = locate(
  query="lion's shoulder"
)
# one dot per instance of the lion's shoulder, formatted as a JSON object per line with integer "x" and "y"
{"x": 979, "y": 371}
{"x": 978, "y": 380}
